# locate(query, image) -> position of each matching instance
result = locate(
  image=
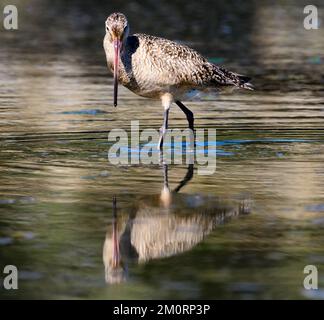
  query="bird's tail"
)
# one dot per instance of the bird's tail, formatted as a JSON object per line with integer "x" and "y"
{"x": 228, "y": 78}
{"x": 244, "y": 82}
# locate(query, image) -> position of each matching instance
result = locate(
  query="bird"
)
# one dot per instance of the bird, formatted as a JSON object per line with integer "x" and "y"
{"x": 163, "y": 225}
{"x": 162, "y": 69}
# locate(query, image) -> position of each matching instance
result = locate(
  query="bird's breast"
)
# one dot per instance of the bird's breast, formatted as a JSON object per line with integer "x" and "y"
{"x": 138, "y": 72}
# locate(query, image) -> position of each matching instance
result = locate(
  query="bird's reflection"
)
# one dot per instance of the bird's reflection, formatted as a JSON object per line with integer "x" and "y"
{"x": 163, "y": 226}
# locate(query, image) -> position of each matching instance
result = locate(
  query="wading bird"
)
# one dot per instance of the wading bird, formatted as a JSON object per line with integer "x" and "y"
{"x": 158, "y": 68}
{"x": 164, "y": 225}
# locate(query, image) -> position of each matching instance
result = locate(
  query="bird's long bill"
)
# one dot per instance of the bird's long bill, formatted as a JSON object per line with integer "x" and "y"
{"x": 116, "y": 62}
{"x": 116, "y": 256}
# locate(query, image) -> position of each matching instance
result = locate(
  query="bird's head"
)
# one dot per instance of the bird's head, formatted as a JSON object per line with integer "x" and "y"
{"x": 117, "y": 27}
{"x": 117, "y": 31}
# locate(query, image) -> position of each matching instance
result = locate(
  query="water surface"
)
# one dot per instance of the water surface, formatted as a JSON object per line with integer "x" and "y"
{"x": 247, "y": 231}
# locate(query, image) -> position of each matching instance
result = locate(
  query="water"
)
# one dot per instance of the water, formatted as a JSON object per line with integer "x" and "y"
{"x": 247, "y": 231}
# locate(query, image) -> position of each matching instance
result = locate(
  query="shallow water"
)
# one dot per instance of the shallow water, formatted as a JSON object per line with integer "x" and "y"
{"x": 247, "y": 231}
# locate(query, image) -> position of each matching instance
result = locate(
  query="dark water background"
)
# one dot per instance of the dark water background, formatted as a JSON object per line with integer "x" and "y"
{"x": 56, "y": 184}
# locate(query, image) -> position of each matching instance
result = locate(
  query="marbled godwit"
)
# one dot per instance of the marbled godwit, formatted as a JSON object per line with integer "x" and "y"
{"x": 145, "y": 232}
{"x": 158, "y": 68}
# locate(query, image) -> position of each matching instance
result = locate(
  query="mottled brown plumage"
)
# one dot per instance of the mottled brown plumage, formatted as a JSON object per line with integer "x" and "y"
{"x": 158, "y": 68}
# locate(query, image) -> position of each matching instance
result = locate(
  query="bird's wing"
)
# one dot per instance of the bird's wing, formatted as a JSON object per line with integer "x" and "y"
{"x": 177, "y": 64}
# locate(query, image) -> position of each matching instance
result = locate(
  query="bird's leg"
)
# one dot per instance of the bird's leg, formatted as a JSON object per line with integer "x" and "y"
{"x": 188, "y": 113}
{"x": 186, "y": 179}
{"x": 165, "y": 177}
{"x": 165, "y": 193}
{"x": 164, "y": 128}
{"x": 190, "y": 118}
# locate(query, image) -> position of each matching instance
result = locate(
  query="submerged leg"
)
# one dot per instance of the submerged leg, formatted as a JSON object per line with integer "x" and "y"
{"x": 188, "y": 113}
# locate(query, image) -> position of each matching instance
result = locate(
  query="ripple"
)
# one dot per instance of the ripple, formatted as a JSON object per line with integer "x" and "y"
{"x": 317, "y": 294}
{"x": 30, "y": 275}
{"x": 91, "y": 112}
{"x": 245, "y": 287}
{"x": 5, "y": 241}
{"x": 315, "y": 208}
